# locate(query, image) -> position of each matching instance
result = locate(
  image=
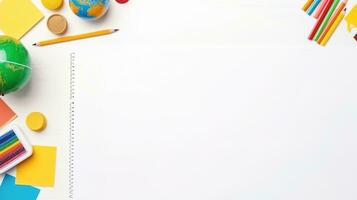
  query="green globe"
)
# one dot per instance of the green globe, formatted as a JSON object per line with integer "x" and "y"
{"x": 14, "y": 65}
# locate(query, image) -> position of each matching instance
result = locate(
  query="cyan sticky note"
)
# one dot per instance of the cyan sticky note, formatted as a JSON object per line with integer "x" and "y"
{"x": 10, "y": 191}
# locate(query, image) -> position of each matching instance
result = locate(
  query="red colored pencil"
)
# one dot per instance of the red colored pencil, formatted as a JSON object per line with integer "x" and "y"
{"x": 356, "y": 37}
{"x": 320, "y": 19}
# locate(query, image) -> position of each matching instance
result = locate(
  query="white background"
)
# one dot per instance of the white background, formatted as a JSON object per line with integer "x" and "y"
{"x": 199, "y": 100}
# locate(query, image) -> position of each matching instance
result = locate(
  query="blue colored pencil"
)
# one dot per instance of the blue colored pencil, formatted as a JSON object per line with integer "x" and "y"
{"x": 313, "y": 7}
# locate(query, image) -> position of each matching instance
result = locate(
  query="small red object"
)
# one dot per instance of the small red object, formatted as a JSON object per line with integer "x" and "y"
{"x": 122, "y": 1}
{"x": 356, "y": 37}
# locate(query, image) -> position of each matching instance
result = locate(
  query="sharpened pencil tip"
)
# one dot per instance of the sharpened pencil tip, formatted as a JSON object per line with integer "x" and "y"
{"x": 34, "y": 44}
{"x": 115, "y": 30}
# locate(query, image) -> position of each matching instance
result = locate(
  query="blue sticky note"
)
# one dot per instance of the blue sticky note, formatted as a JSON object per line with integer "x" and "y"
{"x": 10, "y": 191}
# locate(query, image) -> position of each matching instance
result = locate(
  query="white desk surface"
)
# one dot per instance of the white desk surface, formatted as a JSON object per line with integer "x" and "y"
{"x": 326, "y": 91}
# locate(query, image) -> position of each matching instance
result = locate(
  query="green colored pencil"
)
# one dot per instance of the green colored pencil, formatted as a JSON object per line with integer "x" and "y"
{"x": 326, "y": 19}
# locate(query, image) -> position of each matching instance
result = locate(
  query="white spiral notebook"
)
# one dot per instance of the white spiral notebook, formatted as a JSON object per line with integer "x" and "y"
{"x": 197, "y": 102}
{"x": 209, "y": 123}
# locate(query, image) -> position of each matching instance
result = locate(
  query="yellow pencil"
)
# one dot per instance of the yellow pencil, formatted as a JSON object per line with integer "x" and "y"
{"x": 333, "y": 28}
{"x": 307, "y": 5}
{"x": 76, "y": 37}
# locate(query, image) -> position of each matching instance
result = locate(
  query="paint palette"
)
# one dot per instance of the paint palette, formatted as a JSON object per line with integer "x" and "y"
{"x": 14, "y": 148}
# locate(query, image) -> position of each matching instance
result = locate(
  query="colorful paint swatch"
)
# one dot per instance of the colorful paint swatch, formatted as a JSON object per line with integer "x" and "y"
{"x": 14, "y": 148}
{"x": 10, "y": 148}
{"x": 10, "y": 191}
{"x": 18, "y": 17}
{"x": 39, "y": 169}
{"x": 7, "y": 115}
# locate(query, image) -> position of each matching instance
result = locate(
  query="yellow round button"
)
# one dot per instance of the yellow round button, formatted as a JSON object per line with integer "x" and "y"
{"x": 52, "y": 4}
{"x": 36, "y": 121}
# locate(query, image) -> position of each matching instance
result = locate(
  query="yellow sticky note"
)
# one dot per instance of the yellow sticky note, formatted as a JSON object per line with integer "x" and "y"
{"x": 39, "y": 169}
{"x": 17, "y": 17}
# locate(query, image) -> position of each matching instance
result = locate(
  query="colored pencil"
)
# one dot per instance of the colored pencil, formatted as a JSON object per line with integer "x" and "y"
{"x": 320, "y": 19}
{"x": 6, "y": 137}
{"x": 8, "y": 142}
{"x": 17, "y": 143}
{"x": 76, "y": 37}
{"x": 332, "y": 20}
{"x": 16, "y": 146}
{"x": 307, "y": 5}
{"x": 313, "y": 7}
{"x": 326, "y": 19}
{"x": 333, "y": 28}
{"x": 355, "y": 37}
{"x": 318, "y": 10}
{"x": 13, "y": 157}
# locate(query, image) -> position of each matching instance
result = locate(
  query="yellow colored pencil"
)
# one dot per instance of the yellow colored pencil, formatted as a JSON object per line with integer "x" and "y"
{"x": 307, "y": 5}
{"x": 333, "y": 28}
{"x": 76, "y": 37}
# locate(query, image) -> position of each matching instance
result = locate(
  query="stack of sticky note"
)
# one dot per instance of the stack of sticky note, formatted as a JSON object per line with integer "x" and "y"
{"x": 9, "y": 190}
{"x": 329, "y": 14}
{"x": 38, "y": 170}
{"x": 18, "y": 17}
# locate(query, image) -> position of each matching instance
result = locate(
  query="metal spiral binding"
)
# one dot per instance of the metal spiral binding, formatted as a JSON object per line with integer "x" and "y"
{"x": 71, "y": 124}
